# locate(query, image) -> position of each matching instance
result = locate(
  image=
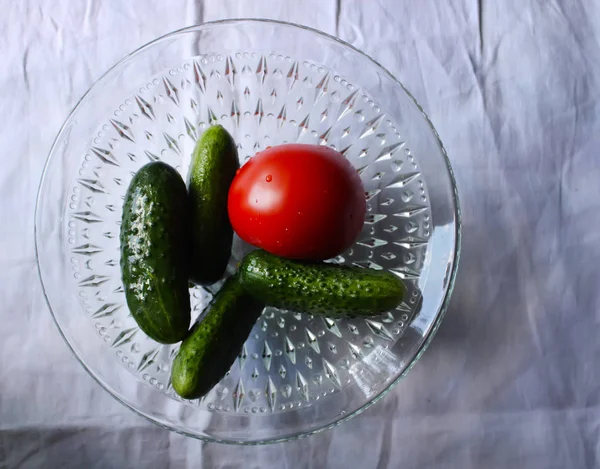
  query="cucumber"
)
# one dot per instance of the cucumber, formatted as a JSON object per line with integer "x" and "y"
{"x": 214, "y": 343}
{"x": 319, "y": 288}
{"x": 213, "y": 167}
{"x": 154, "y": 248}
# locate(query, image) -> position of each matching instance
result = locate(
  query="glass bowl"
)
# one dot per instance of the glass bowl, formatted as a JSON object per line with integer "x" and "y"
{"x": 268, "y": 83}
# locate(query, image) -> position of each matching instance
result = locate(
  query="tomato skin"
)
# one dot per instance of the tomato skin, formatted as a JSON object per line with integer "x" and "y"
{"x": 298, "y": 201}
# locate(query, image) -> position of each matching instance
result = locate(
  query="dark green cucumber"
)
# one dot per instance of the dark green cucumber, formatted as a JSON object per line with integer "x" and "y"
{"x": 214, "y": 343}
{"x": 154, "y": 249}
{"x": 319, "y": 288}
{"x": 213, "y": 167}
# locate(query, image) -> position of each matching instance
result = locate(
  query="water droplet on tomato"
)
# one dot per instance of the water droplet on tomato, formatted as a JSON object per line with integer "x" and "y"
{"x": 255, "y": 201}
{"x": 269, "y": 178}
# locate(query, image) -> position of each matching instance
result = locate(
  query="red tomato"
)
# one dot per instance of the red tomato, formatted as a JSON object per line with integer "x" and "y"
{"x": 298, "y": 201}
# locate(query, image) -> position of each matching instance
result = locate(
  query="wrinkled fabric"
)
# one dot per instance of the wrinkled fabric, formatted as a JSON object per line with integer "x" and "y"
{"x": 511, "y": 379}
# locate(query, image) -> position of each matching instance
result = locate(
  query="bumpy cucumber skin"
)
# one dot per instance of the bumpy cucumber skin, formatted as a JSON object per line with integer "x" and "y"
{"x": 213, "y": 167}
{"x": 319, "y": 288}
{"x": 215, "y": 342}
{"x": 154, "y": 248}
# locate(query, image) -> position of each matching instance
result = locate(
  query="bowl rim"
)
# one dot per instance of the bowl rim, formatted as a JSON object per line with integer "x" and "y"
{"x": 451, "y": 279}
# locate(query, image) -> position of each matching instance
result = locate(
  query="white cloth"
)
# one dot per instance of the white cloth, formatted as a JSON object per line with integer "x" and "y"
{"x": 511, "y": 380}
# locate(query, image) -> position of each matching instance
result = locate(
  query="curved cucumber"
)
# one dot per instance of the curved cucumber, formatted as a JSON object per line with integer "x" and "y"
{"x": 214, "y": 343}
{"x": 154, "y": 246}
{"x": 318, "y": 288}
{"x": 213, "y": 167}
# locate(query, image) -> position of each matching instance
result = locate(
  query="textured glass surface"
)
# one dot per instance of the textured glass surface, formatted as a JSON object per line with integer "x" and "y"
{"x": 296, "y": 374}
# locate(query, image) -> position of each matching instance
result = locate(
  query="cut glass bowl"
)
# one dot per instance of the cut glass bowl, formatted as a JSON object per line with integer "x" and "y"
{"x": 267, "y": 83}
